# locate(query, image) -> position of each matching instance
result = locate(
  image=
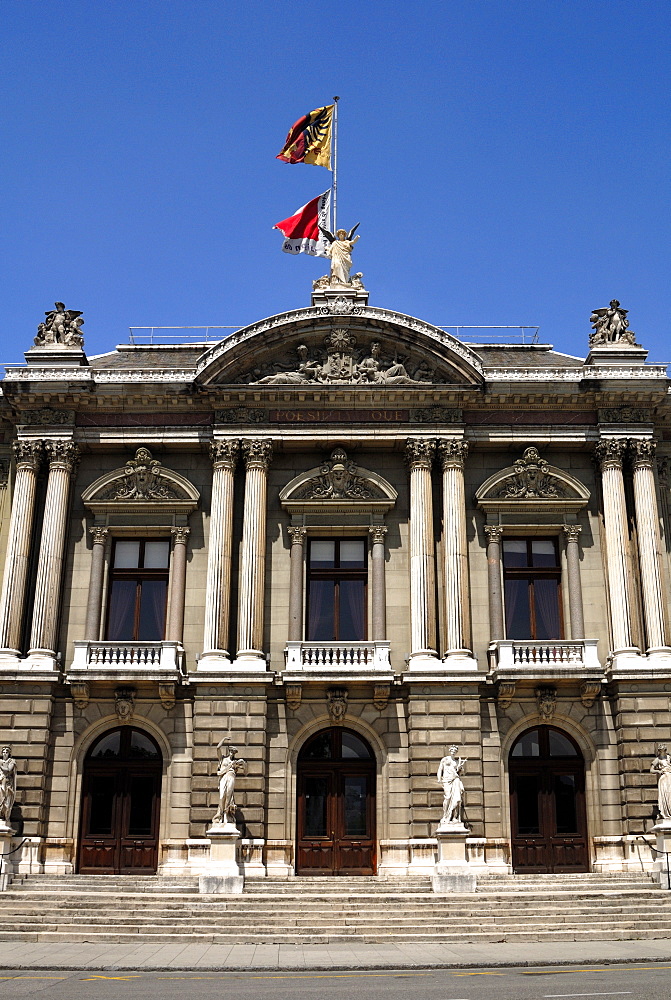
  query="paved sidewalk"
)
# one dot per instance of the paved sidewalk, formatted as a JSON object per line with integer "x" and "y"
{"x": 20, "y": 955}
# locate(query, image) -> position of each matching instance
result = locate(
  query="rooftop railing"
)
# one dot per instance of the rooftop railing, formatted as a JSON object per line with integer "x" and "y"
{"x": 155, "y": 335}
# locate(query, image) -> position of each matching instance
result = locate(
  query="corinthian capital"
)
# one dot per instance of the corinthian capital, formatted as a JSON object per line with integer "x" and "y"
{"x": 494, "y": 533}
{"x": 572, "y": 532}
{"x": 62, "y": 455}
{"x": 642, "y": 451}
{"x": 28, "y": 454}
{"x": 297, "y": 535}
{"x": 609, "y": 453}
{"x": 224, "y": 454}
{"x": 452, "y": 453}
{"x": 180, "y": 535}
{"x": 258, "y": 453}
{"x": 99, "y": 534}
{"x": 419, "y": 452}
{"x": 377, "y": 533}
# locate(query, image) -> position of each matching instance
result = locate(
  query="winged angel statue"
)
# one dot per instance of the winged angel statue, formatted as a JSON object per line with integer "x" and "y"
{"x": 340, "y": 253}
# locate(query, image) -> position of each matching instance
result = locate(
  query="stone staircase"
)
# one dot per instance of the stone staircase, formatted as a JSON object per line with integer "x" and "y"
{"x": 131, "y": 909}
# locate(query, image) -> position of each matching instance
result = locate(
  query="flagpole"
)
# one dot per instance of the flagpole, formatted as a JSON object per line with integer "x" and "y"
{"x": 334, "y": 181}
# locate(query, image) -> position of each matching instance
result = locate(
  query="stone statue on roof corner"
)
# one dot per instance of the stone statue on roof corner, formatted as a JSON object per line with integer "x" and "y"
{"x": 61, "y": 327}
{"x": 611, "y": 326}
{"x": 340, "y": 253}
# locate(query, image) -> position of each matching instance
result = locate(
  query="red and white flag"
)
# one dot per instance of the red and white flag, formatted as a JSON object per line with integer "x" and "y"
{"x": 302, "y": 231}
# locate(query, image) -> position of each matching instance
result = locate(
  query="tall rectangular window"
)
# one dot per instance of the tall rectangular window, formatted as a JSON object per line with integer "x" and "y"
{"x": 532, "y": 578}
{"x": 336, "y": 590}
{"x": 138, "y": 590}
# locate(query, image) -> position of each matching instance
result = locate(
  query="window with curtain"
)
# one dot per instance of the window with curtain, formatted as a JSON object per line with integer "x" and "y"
{"x": 336, "y": 590}
{"x": 138, "y": 590}
{"x": 532, "y": 578}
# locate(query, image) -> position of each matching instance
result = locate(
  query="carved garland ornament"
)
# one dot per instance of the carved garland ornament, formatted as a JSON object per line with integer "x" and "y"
{"x": 142, "y": 481}
{"x": 338, "y": 479}
{"x": 532, "y": 478}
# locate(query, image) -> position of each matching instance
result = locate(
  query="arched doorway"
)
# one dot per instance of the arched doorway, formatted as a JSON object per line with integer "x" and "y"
{"x": 547, "y": 798}
{"x": 121, "y": 793}
{"x": 336, "y": 805}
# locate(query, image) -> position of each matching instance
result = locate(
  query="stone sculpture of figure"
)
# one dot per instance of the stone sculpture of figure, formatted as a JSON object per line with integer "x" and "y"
{"x": 449, "y": 770}
{"x": 61, "y": 326}
{"x": 611, "y": 326}
{"x": 661, "y": 766}
{"x": 308, "y": 371}
{"x": 230, "y": 766}
{"x": 340, "y": 252}
{"x": 7, "y": 784}
{"x": 369, "y": 370}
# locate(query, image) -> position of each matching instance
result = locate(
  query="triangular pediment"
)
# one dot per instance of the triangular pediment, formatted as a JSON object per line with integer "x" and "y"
{"x": 370, "y": 347}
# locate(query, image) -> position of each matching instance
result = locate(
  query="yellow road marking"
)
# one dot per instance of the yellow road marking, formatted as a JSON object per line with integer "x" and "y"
{"x": 479, "y": 973}
{"x": 91, "y": 979}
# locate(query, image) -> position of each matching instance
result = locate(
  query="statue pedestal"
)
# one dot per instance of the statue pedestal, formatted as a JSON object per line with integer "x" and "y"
{"x": 662, "y": 872}
{"x": 58, "y": 355}
{"x": 6, "y": 866}
{"x": 451, "y": 873}
{"x": 223, "y": 872}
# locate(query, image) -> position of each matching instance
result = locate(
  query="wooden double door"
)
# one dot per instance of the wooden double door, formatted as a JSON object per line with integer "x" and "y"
{"x": 336, "y": 806}
{"x": 121, "y": 794}
{"x": 547, "y": 788}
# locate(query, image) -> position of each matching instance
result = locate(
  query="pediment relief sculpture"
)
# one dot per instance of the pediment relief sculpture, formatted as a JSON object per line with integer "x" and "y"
{"x": 339, "y": 480}
{"x": 339, "y": 362}
{"x": 143, "y": 482}
{"x": 532, "y": 480}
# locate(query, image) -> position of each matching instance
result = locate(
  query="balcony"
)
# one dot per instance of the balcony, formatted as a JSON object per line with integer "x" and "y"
{"x": 127, "y": 661}
{"x": 338, "y": 658}
{"x": 552, "y": 658}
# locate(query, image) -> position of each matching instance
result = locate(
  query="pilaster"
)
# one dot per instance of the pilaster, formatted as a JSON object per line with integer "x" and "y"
{"x": 63, "y": 458}
{"x": 423, "y": 653}
{"x": 224, "y": 455}
{"x": 28, "y": 456}
{"x": 257, "y": 454}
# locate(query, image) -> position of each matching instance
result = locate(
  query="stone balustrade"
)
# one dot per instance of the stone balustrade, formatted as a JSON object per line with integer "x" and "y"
{"x": 510, "y": 654}
{"x": 128, "y": 658}
{"x": 338, "y": 656}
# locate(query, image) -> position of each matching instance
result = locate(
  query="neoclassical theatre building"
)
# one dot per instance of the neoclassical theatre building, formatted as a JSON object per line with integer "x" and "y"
{"x": 340, "y": 540}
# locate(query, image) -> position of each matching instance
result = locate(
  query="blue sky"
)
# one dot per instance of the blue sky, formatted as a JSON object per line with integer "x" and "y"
{"x": 508, "y": 160}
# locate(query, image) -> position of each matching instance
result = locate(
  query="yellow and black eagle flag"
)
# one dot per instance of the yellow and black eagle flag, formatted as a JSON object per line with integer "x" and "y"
{"x": 309, "y": 139}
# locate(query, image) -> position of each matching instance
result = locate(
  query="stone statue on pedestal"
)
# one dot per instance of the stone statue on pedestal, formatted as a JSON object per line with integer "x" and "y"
{"x": 230, "y": 765}
{"x": 661, "y": 766}
{"x": 340, "y": 251}
{"x": 7, "y": 785}
{"x": 611, "y": 326}
{"x": 61, "y": 327}
{"x": 449, "y": 771}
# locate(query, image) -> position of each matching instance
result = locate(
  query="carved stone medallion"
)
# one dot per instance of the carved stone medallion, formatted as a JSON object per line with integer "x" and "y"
{"x": 338, "y": 479}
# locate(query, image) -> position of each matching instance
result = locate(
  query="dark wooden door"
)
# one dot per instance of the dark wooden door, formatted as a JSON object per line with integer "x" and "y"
{"x": 120, "y": 810}
{"x": 336, "y": 811}
{"x": 549, "y": 828}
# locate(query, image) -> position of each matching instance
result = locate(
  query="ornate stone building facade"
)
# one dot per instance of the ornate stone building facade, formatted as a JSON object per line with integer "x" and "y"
{"x": 344, "y": 541}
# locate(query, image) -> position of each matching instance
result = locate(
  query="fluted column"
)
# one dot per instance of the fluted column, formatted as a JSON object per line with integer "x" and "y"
{"x": 175, "y": 625}
{"x": 224, "y": 456}
{"x": 63, "y": 456}
{"x": 28, "y": 455}
{"x": 378, "y": 582}
{"x": 257, "y": 455}
{"x": 575, "y": 607}
{"x": 452, "y": 457}
{"x": 609, "y": 454}
{"x": 419, "y": 456}
{"x": 297, "y": 536}
{"x": 649, "y": 543}
{"x": 96, "y": 577}
{"x": 496, "y": 627}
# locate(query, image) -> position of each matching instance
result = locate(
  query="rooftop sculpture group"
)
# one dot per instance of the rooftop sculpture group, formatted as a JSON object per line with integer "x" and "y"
{"x": 61, "y": 327}
{"x": 611, "y": 326}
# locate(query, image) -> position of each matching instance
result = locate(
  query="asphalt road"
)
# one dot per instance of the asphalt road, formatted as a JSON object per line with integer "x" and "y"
{"x": 636, "y": 981}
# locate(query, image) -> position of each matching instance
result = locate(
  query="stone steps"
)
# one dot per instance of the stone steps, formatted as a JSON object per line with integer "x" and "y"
{"x": 111, "y": 909}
